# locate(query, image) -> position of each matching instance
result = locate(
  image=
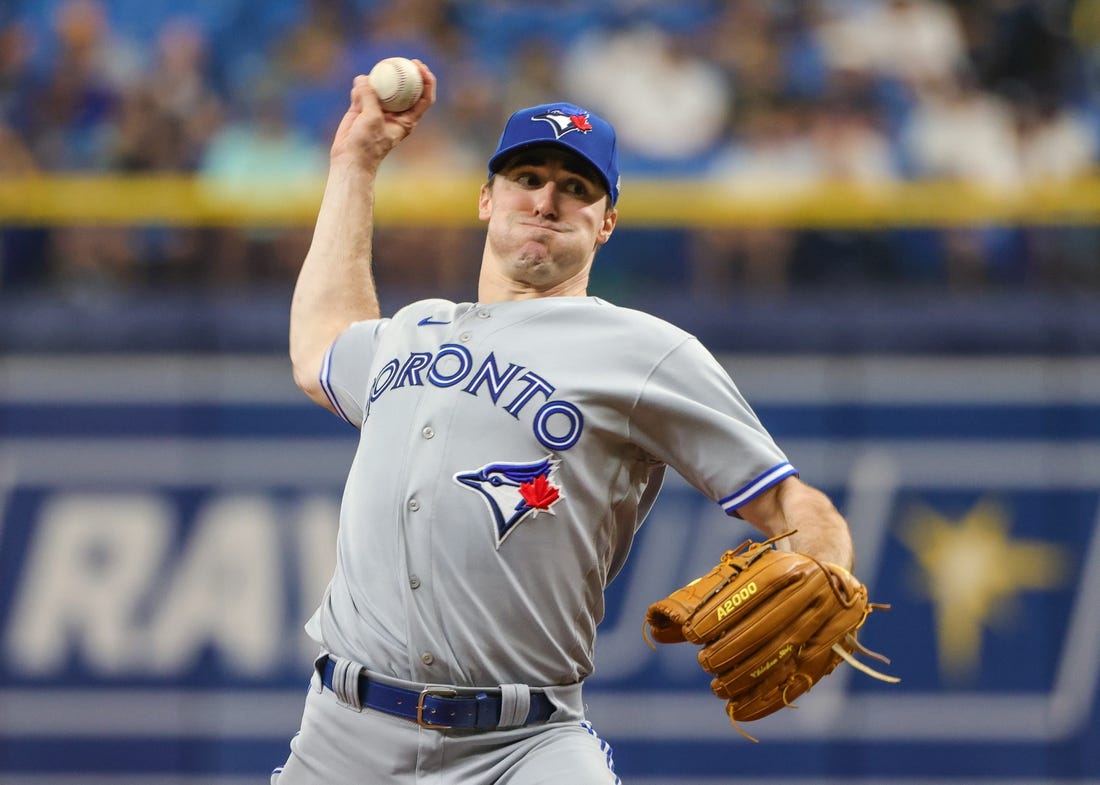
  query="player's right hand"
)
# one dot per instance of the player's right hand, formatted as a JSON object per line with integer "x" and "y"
{"x": 366, "y": 133}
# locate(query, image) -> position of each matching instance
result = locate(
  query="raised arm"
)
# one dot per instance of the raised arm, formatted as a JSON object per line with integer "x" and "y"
{"x": 335, "y": 286}
{"x": 822, "y": 531}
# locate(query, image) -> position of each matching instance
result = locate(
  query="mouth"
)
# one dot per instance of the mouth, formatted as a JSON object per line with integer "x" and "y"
{"x": 544, "y": 227}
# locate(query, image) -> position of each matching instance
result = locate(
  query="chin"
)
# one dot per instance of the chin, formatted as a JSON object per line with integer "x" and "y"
{"x": 534, "y": 255}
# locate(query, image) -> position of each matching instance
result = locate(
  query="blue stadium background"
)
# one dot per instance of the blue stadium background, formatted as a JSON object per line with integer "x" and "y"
{"x": 168, "y": 499}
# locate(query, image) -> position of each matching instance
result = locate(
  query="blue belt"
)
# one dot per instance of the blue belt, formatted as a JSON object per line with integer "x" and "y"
{"x": 439, "y": 707}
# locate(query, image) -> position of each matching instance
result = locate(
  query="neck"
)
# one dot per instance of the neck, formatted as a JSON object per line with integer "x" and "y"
{"x": 490, "y": 290}
{"x": 494, "y": 287}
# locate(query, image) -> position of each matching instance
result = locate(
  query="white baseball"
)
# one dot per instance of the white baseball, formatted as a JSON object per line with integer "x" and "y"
{"x": 397, "y": 82}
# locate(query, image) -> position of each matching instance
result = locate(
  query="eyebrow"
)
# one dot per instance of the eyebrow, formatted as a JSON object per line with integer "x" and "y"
{"x": 570, "y": 163}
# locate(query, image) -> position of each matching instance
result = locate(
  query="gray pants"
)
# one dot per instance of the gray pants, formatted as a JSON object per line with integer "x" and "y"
{"x": 338, "y": 745}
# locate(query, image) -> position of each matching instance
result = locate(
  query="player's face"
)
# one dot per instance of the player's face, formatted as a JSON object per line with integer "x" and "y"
{"x": 548, "y": 213}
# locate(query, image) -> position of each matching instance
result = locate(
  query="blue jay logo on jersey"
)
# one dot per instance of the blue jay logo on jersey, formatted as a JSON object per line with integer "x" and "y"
{"x": 514, "y": 491}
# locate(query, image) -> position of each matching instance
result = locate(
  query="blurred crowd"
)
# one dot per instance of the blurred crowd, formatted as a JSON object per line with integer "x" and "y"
{"x": 755, "y": 95}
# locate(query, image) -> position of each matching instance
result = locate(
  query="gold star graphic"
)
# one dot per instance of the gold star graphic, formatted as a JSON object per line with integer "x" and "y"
{"x": 973, "y": 572}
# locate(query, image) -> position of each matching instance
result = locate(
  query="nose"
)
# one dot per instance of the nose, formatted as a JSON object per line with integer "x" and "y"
{"x": 546, "y": 200}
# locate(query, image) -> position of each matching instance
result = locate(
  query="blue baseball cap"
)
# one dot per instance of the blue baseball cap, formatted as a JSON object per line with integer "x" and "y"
{"x": 567, "y": 126}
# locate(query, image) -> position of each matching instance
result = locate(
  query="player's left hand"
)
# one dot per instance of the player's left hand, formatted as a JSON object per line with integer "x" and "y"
{"x": 771, "y": 624}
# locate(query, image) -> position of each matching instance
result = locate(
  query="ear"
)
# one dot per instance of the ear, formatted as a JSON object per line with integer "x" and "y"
{"x": 485, "y": 201}
{"x": 609, "y": 221}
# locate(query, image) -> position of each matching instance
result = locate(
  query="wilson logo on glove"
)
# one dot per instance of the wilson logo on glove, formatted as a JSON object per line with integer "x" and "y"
{"x": 796, "y": 619}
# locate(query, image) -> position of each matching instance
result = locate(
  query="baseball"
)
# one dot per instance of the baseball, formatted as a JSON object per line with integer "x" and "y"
{"x": 397, "y": 82}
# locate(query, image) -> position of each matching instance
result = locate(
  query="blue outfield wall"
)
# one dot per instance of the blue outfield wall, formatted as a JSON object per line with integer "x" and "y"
{"x": 167, "y": 524}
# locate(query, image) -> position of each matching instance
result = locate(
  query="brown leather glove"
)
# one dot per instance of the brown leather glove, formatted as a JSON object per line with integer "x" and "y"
{"x": 771, "y": 624}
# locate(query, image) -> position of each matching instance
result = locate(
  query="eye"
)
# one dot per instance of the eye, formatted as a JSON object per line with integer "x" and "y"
{"x": 528, "y": 179}
{"x": 577, "y": 188}
{"x": 496, "y": 481}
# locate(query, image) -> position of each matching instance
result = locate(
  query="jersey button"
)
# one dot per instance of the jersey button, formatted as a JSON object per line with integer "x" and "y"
{"x": 483, "y": 314}
{"x": 427, "y": 658}
{"x": 414, "y": 582}
{"x": 414, "y": 505}
{"x": 464, "y": 337}
{"x": 428, "y": 432}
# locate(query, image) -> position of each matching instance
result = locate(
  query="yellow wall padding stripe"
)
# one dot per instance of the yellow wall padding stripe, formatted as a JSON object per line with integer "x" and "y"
{"x": 452, "y": 201}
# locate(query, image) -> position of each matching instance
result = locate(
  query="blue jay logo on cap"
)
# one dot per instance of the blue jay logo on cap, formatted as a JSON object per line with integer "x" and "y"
{"x": 514, "y": 491}
{"x": 563, "y": 122}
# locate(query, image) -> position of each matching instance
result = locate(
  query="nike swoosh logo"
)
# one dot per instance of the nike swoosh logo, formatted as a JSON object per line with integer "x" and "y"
{"x": 429, "y": 320}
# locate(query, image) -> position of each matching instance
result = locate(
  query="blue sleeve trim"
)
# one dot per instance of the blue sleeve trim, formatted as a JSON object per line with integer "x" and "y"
{"x": 753, "y": 489}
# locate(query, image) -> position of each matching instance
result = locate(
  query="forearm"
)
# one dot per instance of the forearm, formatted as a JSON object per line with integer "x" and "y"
{"x": 335, "y": 286}
{"x": 821, "y": 530}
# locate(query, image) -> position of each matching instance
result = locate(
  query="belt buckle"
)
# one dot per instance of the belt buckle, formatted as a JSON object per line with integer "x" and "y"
{"x": 439, "y": 692}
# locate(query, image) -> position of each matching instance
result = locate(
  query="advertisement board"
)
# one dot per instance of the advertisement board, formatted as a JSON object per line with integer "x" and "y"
{"x": 167, "y": 525}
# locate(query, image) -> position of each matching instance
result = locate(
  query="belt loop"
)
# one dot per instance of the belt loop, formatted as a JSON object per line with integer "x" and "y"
{"x": 345, "y": 682}
{"x": 317, "y": 682}
{"x": 515, "y": 705}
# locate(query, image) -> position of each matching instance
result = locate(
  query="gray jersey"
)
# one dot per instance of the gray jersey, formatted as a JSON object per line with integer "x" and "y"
{"x": 508, "y": 453}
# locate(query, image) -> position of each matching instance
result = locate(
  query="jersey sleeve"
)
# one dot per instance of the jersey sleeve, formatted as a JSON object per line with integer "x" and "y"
{"x": 345, "y": 372}
{"x": 691, "y": 415}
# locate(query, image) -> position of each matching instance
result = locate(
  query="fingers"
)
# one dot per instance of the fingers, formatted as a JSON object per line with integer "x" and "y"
{"x": 362, "y": 93}
{"x": 427, "y": 96}
{"x": 367, "y": 132}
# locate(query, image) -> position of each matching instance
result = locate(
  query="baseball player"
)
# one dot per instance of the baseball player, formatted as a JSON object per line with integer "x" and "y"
{"x": 509, "y": 450}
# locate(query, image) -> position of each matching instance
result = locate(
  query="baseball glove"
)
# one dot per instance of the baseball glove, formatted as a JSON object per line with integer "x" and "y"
{"x": 771, "y": 623}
